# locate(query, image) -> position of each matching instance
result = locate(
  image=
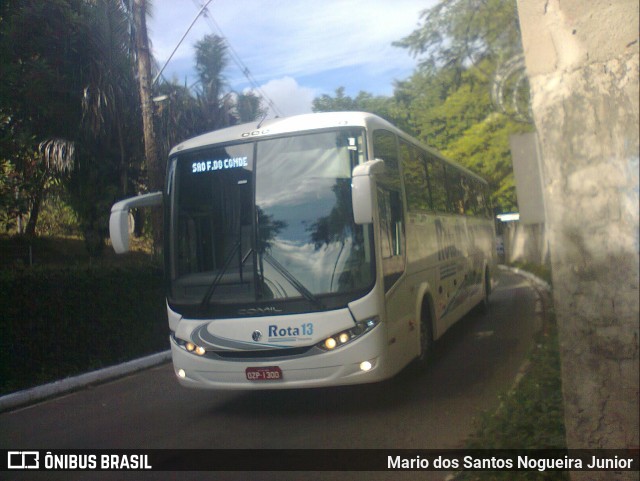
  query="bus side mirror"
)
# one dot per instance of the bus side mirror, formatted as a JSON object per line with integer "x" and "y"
{"x": 119, "y": 220}
{"x": 362, "y": 184}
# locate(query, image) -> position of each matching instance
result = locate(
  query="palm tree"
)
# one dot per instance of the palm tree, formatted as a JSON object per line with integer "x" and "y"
{"x": 249, "y": 107}
{"x": 177, "y": 116}
{"x": 109, "y": 133}
{"x": 110, "y": 100}
{"x": 217, "y": 106}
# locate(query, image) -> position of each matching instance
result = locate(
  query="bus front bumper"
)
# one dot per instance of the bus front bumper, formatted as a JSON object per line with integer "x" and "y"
{"x": 362, "y": 361}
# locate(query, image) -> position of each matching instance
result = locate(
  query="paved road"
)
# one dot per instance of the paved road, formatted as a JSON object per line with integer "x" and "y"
{"x": 475, "y": 362}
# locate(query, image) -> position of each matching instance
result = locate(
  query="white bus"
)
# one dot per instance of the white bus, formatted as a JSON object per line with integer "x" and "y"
{"x": 317, "y": 250}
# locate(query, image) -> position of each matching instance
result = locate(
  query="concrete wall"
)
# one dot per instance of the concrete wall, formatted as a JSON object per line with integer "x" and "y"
{"x": 525, "y": 243}
{"x": 582, "y": 62}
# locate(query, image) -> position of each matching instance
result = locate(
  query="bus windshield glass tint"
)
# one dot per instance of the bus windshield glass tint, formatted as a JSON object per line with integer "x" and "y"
{"x": 268, "y": 221}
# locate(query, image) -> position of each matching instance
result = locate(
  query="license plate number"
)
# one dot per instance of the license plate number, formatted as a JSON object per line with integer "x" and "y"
{"x": 269, "y": 373}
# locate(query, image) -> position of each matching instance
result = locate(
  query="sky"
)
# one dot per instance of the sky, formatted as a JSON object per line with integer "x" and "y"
{"x": 295, "y": 50}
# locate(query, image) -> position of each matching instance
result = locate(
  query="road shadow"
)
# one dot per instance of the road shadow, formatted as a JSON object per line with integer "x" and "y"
{"x": 481, "y": 348}
{"x": 463, "y": 358}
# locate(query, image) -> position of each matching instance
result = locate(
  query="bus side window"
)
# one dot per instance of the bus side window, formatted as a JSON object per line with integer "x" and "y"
{"x": 437, "y": 184}
{"x": 475, "y": 200}
{"x": 455, "y": 190}
{"x": 415, "y": 178}
{"x": 391, "y": 235}
{"x": 486, "y": 202}
{"x": 385, "y": 147}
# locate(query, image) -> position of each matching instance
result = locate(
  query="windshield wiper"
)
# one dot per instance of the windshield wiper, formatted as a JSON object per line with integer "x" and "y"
{"x": 306, "y": 293}
{"x": 218, "y": 278}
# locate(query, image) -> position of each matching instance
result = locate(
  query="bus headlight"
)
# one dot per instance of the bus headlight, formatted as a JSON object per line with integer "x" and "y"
{"x": 345, "y": 337}
{"x": 190, "y": 346}
{"x": 330, "y": 343}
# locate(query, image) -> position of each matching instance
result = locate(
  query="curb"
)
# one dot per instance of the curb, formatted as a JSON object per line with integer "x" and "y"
{"x": 538, "y": 284}
{"x": 39, "y": 393}
{"x": 528, "y": 275}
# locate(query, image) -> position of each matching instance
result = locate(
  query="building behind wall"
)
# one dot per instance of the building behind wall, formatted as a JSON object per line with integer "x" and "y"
{"x": 525, "y": 240}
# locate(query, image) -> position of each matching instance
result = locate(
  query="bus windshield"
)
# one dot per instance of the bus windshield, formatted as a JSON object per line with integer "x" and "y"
{"x": 266, "y": 222}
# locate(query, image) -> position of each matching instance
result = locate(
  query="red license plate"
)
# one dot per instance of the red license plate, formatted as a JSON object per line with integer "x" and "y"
{"x": 269, "y": 373}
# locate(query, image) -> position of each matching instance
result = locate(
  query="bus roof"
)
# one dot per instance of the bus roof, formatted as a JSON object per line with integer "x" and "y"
{"x": 278, "y": 126}
{"x": 302, "y": 123}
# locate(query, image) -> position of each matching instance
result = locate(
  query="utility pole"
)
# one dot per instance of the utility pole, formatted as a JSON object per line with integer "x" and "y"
{"x": 154, "y": 169}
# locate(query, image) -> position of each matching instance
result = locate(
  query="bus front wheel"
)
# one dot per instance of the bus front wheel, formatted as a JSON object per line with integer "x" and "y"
{"x": 426, "y": 335}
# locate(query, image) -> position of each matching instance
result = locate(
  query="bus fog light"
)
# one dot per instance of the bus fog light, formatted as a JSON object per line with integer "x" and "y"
{"x": 181, "y": 373}
{"x": 365, "y": 366}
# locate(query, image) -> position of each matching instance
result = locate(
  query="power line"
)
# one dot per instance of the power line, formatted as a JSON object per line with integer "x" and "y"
{"x": 238, "y": 61}
{"x": 204, "y": 7}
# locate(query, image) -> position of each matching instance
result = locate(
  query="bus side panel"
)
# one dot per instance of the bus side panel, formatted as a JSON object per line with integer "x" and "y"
{"x": 446, "y": 257}
{"x": 448, "y": 254}
{"x": 402, "y": 323}
{"x": 422, "y": 267}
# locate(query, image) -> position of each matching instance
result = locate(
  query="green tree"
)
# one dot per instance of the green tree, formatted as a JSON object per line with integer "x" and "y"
{"x": 109, "y": 138}
{"x": 380, "y": 105}
{"x": 460, "y": 46}
{"x": 484, "y": 149}
{"x": 67, "y": 77}
{"x": 38, "y": 41}
{"x": 178, "y": 116}
{"x": 216, "y": 102}
{"x": 455, "y": 34}
{"x": 439, "y": 113}
{"x": 17, "y": 158}
{"x": 249, "y": 107}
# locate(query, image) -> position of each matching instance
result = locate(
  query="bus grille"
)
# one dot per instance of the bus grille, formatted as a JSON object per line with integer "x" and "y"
{"x": 263, "y": 354}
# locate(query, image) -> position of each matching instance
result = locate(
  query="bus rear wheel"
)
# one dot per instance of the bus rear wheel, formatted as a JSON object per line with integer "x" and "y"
{"x": 486, "y": 289}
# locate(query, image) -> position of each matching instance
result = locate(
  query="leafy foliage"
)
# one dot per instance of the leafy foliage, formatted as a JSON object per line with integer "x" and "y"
{"x": 447, "y": 102}
{"x": 70, "y": 110}
{"x": 364, "y": 101}
{"x": 531, "y": 415}
{"x": 484, "y": 148}
{"x": 181, "y": 113}
{"x": 460, "y": 45}
{"x": 456, "y": 34}
{"x": 57, "y": 336}
{"x": 211, "y": 60}
{"x": 70, "y": 93}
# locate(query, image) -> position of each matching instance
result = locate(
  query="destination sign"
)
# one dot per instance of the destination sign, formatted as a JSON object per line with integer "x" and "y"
{"x": 220, "y": 164}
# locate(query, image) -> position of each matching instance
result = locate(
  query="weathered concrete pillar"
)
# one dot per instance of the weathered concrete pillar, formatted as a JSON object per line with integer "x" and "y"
{"x": 582, "y": 62}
